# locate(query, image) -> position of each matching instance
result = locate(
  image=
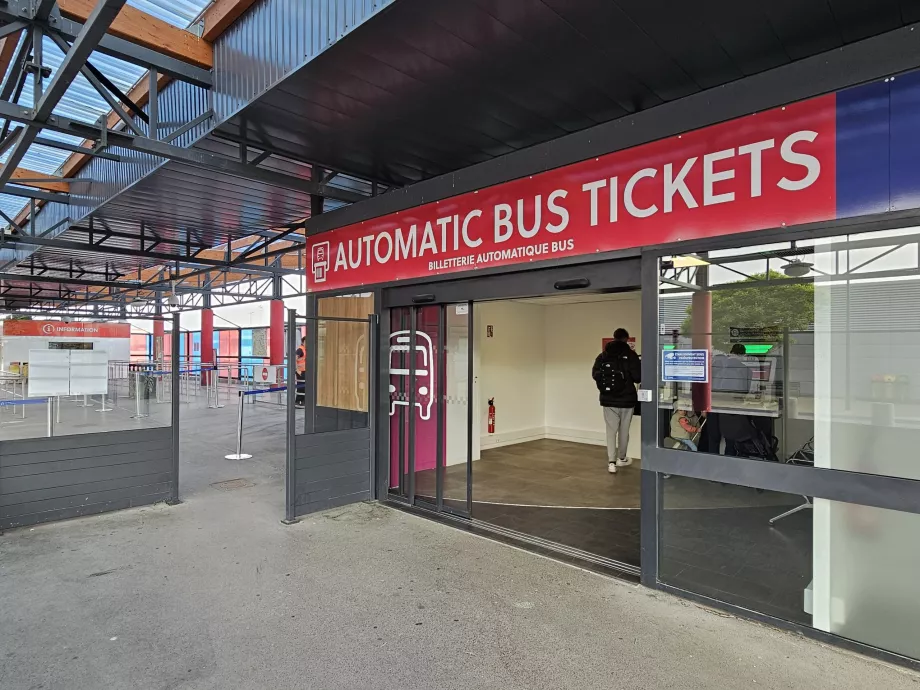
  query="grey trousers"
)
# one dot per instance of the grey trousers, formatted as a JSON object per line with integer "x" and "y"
{"x": 617, "y": 420}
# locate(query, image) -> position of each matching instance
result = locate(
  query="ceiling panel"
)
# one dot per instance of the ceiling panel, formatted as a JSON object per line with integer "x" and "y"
{"x": 425, "y": 88}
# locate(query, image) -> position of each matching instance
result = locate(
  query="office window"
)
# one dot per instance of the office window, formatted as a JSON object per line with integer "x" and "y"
{"x": 805, "y": 352}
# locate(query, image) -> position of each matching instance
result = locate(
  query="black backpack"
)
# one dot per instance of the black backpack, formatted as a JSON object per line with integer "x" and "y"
{"x": 612, "y": 380}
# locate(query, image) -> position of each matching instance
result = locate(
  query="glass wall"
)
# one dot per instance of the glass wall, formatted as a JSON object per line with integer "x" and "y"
{"x": 800, "y": 353}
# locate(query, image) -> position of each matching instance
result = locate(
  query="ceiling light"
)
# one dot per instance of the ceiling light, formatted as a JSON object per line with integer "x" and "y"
{"x": 797, "y": 269}
{"x": 688, "y": 261}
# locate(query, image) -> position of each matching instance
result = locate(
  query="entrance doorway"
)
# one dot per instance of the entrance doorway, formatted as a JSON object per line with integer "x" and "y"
{"x": 541, "y": 468}
{"x": 539, "y": 471}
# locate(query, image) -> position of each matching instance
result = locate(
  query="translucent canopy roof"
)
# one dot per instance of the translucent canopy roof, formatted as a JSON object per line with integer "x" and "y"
{"x": 82, "y": 102}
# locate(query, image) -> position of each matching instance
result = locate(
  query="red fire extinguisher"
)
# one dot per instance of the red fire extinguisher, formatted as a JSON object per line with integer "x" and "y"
{"x": 491, "y": 415}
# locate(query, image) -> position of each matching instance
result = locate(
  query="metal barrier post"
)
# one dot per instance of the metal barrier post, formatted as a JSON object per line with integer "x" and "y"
{"x": 104, "y": 408}
{"x": 290, "y": 469}
{"x": 50, "y": 417}
{"x": 239, "y": 455}
{"x": 137, "y": 397}
{"x": 214, "y": 385}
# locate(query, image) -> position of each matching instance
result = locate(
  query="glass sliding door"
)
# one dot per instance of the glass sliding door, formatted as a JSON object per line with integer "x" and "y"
{"x": 425, "y": 424}
{"x": 429, "y": 410}
{"x": 457, "y": 380}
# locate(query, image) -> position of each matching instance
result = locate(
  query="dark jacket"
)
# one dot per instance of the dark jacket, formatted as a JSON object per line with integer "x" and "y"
{"x": 617, "y": 371}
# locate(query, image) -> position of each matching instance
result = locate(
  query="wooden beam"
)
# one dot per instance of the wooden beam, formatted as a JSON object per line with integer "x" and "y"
{"x": 49, "y": 182}
{"x": 146, "y": 30}
{"x": 221, "y": 14}
{"x": 7, "y": 50}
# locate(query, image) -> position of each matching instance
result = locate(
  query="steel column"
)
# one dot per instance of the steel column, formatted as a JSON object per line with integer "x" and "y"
{"x": 207, "y": 343}
{"x": 290, "y": 474}
{"x": 276, "y": 333}
{"x": 650, "y": 491}
{"x": 176, "y": 447}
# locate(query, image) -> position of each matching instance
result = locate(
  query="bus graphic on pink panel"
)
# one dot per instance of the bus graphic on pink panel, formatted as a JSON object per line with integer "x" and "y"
{"x": 421, "y": 355}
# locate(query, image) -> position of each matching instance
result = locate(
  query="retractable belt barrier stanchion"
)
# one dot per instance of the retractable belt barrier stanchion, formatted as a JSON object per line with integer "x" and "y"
{"x": 240, "y": 455}
{"x": 214, "y": 388}
{"x": 104, "y": 408}
{"x": 137, "y": 397}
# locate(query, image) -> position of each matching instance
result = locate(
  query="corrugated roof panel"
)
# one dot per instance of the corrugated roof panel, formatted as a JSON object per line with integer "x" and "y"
{"x": 181, "y": 13}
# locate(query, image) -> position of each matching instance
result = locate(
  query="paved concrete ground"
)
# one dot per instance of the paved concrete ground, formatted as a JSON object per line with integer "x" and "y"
{"x": 216, "y": 593}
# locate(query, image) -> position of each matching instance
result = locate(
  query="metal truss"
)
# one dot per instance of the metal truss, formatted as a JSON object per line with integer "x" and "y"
{"x": 770, "y": 264}
{"x": 93, "y": 268}
{"x": 247, "y": 274}
{"x": 69, "y": 303}
{"x": 26, "y": 14}
{"x": 46, "y": 99}
{"x": 99, "y": 132}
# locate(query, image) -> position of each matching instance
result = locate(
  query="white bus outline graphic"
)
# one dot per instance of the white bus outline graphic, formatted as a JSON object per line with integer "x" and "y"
{"x": 320, "y": 261}
{"x": 399, "y": 342}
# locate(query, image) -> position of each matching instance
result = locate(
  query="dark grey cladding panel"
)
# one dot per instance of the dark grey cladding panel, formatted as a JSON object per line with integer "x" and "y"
{"x": 332, "y": 469}
{"x": 332, "y": 502}
{"x": 318, "y": 444}
{"x": 42, "y": 480}
{"x": 109, "y": 438}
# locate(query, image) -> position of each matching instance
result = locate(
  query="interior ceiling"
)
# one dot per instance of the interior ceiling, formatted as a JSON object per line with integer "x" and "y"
{"x": 427, "y": 87}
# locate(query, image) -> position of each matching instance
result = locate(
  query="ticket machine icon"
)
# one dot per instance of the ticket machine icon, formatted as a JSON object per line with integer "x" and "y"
{"x": 421, "y": 356}
{"x": 320, "y": 261}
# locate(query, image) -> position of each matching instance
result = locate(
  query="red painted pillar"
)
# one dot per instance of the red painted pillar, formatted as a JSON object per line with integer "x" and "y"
{"x": 159, "y": 340}
{"x": 276, "y": 333}
{"x": 702, "y": 340}
{"x": 207, "y": 342}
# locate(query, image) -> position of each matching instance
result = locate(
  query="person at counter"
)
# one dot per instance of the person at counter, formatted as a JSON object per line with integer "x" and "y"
{"x": 616, "y": 372}
{"x": 731, "y": 379}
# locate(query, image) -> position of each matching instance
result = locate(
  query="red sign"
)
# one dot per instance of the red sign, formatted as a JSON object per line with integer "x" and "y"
{"x": 60, "y": 329}
{"x": 630, "y": 340}
{"x": 761, "y": 171}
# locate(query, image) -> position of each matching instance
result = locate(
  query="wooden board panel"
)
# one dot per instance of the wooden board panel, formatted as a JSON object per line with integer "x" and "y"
{"x": 342, "y": 356}
{"x": 144, "y": 29}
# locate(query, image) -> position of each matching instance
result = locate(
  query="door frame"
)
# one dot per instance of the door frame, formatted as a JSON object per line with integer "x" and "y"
{"x": 407, "y": 494}
{"x": 621, "y": 273}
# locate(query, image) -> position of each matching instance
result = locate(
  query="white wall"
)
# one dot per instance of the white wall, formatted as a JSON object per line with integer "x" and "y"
{"x": 537, "y": 365}
{"x": 510, "y": 367}
{"x": 573, "y": 334}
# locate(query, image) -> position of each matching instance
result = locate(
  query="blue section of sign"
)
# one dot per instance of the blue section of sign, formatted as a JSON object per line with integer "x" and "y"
{"x": 685, "y": 366}
{"x": 863, "y": 141}
{"x": 878, "y": 147}
{"x": 905, "y": 141}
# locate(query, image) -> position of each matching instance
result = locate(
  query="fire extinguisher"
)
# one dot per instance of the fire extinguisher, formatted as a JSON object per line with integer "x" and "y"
{"x": 491, "y": 415}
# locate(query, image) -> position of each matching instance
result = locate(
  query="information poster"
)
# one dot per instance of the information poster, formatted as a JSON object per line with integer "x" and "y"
{"x": 685, "y": 366}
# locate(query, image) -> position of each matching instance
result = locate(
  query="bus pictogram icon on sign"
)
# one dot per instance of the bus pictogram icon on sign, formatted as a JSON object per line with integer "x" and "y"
{"x": 320, "y": 262}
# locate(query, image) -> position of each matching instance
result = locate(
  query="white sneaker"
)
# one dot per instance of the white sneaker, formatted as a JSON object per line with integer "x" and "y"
{"x": 625, "y": 462}
{"x": 612, "y": 467}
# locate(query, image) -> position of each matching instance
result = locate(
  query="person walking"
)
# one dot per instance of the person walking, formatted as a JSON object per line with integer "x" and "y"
{"x": 301, "y": 372}
{"x": 617, "y": 371}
